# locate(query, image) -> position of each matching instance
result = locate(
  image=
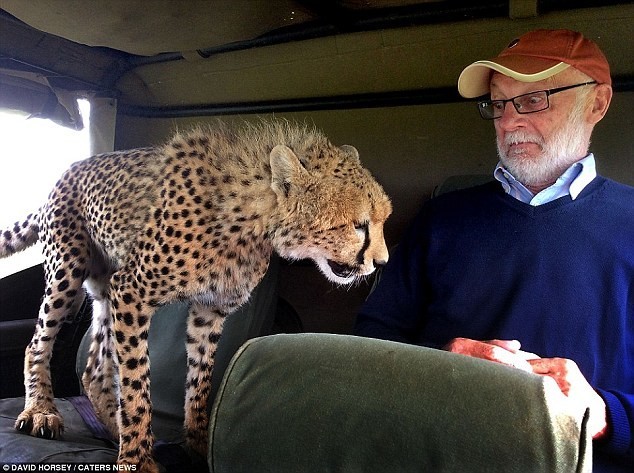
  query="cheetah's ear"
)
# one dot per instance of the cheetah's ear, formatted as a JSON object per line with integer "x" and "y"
{"x": 352, "y": 152}
{"x": 286, "y": 169}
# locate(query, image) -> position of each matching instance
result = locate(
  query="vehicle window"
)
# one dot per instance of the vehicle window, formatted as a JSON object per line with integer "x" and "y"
{"x": 34, "y": 153}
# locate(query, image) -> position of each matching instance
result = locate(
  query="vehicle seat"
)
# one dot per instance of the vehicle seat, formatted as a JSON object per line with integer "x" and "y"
{"x": 168, "y": 358}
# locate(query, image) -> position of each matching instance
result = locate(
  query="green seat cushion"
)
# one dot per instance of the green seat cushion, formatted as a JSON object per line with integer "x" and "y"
{"x": 319, "y": 402}
{"x": 168, "y": 357}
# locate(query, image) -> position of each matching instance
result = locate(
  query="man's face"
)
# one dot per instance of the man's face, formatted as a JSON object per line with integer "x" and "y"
{"x": 538, "y": 147}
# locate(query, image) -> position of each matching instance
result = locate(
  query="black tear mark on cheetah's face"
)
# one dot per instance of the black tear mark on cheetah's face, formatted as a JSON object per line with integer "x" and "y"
{"x": 336, "y": 220}
{"x": 196, "y": 219}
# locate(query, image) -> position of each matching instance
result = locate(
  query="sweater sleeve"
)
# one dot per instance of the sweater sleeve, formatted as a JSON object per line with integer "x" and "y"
{"x": 394, "y": 309}
{"x": 620, "y": 410}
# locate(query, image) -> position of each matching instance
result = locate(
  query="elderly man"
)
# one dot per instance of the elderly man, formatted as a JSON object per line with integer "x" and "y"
{"x": 535, "y": 269}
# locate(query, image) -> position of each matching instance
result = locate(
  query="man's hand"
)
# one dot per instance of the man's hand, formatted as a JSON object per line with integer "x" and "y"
{"x": 506, "y": 352}
{"x": 575, "y": 386}
{"x": 565, "y": 372}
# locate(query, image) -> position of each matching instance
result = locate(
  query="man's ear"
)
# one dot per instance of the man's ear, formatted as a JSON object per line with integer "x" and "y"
{"x": 601, "y": 102}
{"x": 286, "y": 170}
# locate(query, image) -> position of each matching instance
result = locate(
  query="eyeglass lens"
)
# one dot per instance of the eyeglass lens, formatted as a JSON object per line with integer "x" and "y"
{"x": 527, "y": 103}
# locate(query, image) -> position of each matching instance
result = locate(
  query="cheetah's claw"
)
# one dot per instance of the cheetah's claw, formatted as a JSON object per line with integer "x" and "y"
{"x": 45, "y": 431}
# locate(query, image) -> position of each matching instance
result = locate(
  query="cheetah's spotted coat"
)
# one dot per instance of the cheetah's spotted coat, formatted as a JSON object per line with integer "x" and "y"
{"x": 195, "y": 219}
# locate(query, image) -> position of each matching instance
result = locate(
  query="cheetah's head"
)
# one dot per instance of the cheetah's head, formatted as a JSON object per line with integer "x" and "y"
{"x": 330, "y": 210}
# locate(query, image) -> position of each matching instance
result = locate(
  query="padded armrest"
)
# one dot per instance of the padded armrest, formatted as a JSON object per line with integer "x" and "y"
{"x": 319, "y": 402}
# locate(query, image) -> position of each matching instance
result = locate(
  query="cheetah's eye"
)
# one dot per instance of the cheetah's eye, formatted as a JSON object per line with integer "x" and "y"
{"x": 361, "y": 227}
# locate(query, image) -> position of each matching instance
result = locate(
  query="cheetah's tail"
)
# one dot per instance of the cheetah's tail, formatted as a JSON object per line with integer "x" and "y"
{"x": 19, "y": 237}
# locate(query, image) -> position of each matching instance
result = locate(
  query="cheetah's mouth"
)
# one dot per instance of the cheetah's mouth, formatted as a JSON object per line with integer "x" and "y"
{"x": 342, "y": 270}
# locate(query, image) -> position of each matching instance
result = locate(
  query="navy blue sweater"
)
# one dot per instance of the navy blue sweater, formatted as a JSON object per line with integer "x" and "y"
{"x": 558, "y": 277}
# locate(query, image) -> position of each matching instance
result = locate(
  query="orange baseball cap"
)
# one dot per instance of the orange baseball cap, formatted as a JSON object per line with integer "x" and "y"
{"x": 535, "y": 56}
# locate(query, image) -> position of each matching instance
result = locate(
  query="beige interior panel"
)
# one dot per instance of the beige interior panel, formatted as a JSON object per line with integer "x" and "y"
{"x": 387, "y": 60}
{"x": 152, "y": 27}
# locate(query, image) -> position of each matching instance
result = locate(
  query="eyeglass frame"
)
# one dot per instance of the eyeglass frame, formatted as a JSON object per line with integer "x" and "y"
{"x": 548, "y": 93}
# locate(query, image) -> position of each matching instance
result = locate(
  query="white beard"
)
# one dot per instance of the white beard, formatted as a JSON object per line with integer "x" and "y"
{"x": 567, "y": 145}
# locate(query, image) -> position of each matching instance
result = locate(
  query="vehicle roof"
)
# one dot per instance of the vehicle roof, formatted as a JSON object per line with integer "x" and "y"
{"x": 189, "y": 57}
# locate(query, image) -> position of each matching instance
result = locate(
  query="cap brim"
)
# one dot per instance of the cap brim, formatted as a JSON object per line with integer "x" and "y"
{"x": 474, "y": 79}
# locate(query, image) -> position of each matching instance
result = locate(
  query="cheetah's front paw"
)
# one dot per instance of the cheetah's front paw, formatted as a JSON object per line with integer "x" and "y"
{"x": 47, "y": 424}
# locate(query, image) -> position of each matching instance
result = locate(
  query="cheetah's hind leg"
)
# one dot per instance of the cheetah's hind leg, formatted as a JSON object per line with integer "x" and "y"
{"x": 100, "y": 376}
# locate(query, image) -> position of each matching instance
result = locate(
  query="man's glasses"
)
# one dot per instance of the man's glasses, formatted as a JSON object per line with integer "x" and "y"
{"x": 525, "y": 103}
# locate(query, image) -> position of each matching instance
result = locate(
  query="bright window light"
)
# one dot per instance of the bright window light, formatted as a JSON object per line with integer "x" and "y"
{"x": 33, "y": 155}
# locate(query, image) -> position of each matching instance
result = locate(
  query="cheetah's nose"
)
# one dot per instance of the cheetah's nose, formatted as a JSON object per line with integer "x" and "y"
{"x": 378, "y": 264}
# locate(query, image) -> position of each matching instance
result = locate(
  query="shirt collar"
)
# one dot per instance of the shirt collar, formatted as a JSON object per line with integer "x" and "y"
{"x": 571, "y": 182}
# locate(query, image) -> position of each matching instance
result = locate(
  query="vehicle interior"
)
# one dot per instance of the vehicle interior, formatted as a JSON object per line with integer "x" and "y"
{"x": 377, "y": 74}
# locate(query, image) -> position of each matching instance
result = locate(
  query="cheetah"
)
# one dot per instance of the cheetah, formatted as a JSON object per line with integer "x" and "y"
{"x": 196, "y": 220}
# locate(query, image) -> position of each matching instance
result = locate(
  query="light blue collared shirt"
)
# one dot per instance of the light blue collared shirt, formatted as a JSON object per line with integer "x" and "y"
{"x": 571, "y": 182}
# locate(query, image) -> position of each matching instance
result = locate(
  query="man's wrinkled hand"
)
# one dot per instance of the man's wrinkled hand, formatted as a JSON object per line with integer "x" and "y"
{"x": 575, "y": 386}
{"x": 565, "y": 372}
{"x": 506, "y": 352}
